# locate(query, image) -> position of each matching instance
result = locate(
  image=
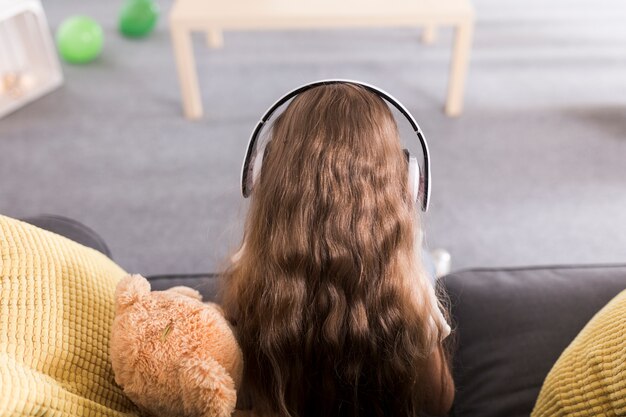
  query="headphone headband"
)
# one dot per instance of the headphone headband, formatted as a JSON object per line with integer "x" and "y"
{"x": 381, "y": 93}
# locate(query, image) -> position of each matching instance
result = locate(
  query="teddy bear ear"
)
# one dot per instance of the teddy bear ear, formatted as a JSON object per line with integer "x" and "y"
{"x": 129, "y": 290}
{"x": 187, "y": 292}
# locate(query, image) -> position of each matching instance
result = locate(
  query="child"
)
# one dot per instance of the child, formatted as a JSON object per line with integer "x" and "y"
{"x": 328, "y": 295}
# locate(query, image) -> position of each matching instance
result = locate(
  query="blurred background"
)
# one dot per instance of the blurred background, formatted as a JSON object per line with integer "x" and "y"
{"x": 533, "y": 171}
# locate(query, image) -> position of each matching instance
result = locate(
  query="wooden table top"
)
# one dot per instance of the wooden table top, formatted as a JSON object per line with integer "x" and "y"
{"x": 260, "y": 14}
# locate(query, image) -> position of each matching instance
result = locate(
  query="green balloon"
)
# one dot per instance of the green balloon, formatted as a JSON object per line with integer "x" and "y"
{"x": 138, "y": 18}
{"x": 79, "y": 39}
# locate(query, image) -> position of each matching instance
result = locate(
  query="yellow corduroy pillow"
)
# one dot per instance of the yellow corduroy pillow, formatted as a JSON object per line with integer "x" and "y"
{"x": 56, "y": 311}
{"x": 589, "y": 379}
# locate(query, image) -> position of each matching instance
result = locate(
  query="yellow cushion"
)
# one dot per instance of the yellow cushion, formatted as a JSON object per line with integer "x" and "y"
{"x": 56, "y": 311}
{"x": 589, "y": 379}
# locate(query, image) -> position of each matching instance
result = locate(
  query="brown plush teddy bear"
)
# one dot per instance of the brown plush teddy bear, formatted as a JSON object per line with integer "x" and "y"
{"x": 173, "y": 354}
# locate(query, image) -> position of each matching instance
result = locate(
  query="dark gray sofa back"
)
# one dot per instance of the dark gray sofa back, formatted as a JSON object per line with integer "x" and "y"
{"x": 512, "y": 325}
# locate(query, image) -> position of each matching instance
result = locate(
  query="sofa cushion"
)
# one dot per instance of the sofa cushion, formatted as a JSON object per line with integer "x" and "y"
{"x": 56, "y": 311}
{"x": 206, "y": 284}
{"x": 71, "y": 229}
{"x": 589, "y": 379}
{"x": 512, "y": 325}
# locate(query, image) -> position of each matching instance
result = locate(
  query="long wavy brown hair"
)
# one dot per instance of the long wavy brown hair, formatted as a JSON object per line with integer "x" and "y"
{"x": 327, "y": 293}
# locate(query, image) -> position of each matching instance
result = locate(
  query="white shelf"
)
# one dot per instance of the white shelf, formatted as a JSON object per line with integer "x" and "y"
{"x": 26, "y": 48}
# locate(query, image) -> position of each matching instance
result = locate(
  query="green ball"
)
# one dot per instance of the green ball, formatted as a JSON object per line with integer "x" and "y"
{"x": 79, "y": 39}
{"x": 138, "y": 18}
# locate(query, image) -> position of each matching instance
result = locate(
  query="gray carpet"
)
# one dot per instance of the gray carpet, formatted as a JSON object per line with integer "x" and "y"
{"x": 534, "y": 172}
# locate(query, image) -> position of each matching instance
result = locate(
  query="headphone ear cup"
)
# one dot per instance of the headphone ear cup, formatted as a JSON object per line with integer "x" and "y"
{"x": 414, "y": 177}
{"x": 256, "y": 165}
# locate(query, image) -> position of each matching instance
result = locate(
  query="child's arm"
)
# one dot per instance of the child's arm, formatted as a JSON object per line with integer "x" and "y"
{"x": 440, "y": 386}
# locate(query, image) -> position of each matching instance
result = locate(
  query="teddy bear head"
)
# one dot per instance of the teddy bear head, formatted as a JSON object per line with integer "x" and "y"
{"x": 173, "y": 354}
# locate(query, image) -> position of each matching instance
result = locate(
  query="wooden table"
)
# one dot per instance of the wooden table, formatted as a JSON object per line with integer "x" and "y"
{"x": 214, "y": 16}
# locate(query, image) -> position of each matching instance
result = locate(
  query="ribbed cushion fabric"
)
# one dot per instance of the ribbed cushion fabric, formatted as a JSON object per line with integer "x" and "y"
{"x": 56, "y": 311}
{"x": 589, "y": 379}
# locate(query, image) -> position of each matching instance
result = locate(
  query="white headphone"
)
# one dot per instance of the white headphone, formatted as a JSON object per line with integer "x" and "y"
{"x": 418, "y": 180}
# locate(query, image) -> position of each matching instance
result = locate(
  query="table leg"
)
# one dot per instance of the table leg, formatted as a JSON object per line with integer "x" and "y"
{"x": 214, "y": 38}
{"x": 185, "y": 63}
{"x": 429, "y": 34}
{"x": 458, "y": 67}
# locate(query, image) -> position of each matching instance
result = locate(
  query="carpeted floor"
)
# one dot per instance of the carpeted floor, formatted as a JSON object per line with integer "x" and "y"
{"x": 534, "y": 172}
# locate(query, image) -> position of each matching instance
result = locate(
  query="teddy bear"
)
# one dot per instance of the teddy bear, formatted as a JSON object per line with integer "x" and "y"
{"x": 172, "y": 354}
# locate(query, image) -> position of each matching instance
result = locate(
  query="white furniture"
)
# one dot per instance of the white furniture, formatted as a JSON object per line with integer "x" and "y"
{"x": 29, "y": 66}
{"x": 214, "y": 16}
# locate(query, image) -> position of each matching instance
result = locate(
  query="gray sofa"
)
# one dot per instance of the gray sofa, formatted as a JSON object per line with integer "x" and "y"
{"x": 511, "y": 324}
